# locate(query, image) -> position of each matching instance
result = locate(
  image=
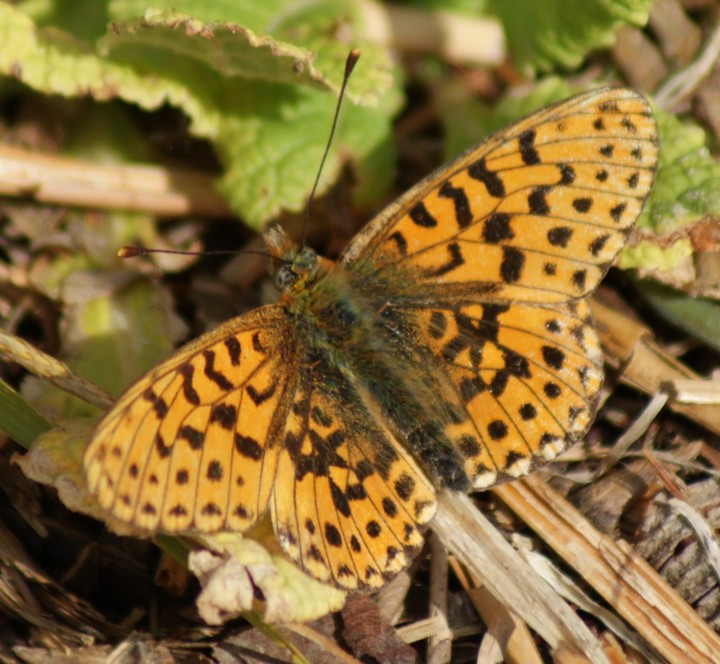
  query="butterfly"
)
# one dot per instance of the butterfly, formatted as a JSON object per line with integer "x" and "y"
{"x": 450, "y": 347}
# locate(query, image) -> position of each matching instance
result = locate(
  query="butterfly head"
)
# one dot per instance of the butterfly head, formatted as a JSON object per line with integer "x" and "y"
{"x": 292, "y": 266}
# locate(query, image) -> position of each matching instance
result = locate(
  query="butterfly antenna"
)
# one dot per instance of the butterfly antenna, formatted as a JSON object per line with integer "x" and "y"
{"x": 132, "y": 252}
{"x": 350, "y": 63}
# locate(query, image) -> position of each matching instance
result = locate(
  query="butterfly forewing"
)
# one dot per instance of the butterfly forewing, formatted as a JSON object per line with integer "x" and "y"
{"x": 192, "y": 446}
{"x": 536, "y": 213}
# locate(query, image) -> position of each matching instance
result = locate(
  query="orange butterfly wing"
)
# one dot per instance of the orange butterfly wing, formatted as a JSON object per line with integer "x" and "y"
{"x": 535, "y": 213}
{"x": 348, "y": 499}
{"x": 193, "y": 445}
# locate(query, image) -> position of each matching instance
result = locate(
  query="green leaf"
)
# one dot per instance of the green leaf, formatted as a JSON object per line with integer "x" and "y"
{"x": 264, "y": 102}
{"x": 180, "y": 48}
{"x": 123, "y": 333}
{"x": 83, "y": 19}
{"x": 274, "y": 145}
{"x": 52, "y": 62}
{"x": 686, "y": 192}
{"x": 111, "y": 337}
{"x": 547, "y": 33}
{"x": 460, "y": 6}
{"x": 698, "y": 316}
{"x": 115, "y": 324}
{"x": 687, "y": 186}
{"x": 259, "y": 16}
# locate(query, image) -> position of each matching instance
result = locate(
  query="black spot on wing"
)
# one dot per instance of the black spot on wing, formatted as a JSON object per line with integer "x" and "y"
{"x": 332, "y": 535}
{"x": 528, "y": 153}
{"x": 186, "y": 371}
{"x": 257, "y": 344}
{"x": 598, "y": 244}
{"x": 161, "y": 448}
{"x": 579, "y": 278}
{"x": 527, "y": 412}
{"x": 262, "y": 396}
{"x": 559, "y": 236}
{"x": 233, "y": 348}
{"x": 389, "y": 507}
{"x": 512, "y": 458}
{"x": 404, "y": 486}
{"x": 210, "y": 509}
{"x": 455, "y": 260}
{"x": 537, "y": 202}
{"x": 553, "y": 357}
{"x": 421, "y": 216}
{"x": 628, "y": 124}
{"x": 511, "y": 267}
{"x": 608, "y": 106}
{"x": 567, "y": 174}
{"x": 551, "y": 390}
{"x": 494, "y": 185}
{"x": 213, "y": 374}
{"x": 463, "y": 215}
{"x": 248, "y": 447}
{"x": 373, "y": 529}
{"x": 497, "y": 228}
{"x": 516, "y": 364}
{"x": 159, "y": 404}
{"x": 225, "y": 415}
{"x": 582, "y": 205}
{"x": 617, "y": 212}
{"x": 339, "y": 499}
{"x": 214, "y": 471}
{"x": 195, "y": 438}
{"x": 497, "y": 430}
{"x": 400, "y": 242}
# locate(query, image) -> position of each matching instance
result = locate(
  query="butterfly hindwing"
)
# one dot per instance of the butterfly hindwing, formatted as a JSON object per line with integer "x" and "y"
{"x": 348, "y": 499}
{"x": 526, "y": 378}
{"x": 192, "y": 445}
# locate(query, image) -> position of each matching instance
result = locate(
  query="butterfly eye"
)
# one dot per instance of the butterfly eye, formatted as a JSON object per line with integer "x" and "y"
{"x": 284, "y": 277}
